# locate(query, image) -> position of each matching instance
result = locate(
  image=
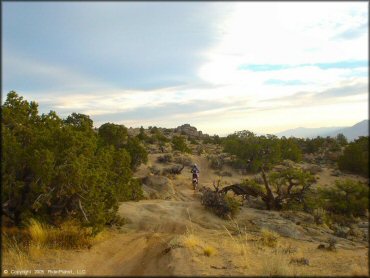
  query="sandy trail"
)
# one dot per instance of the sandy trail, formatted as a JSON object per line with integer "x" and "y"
{"x": 141, "y": 247}
{"x": 124, "y": 254}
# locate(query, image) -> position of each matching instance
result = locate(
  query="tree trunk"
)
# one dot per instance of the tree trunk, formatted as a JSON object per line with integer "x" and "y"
{"x": 270, "y": 198}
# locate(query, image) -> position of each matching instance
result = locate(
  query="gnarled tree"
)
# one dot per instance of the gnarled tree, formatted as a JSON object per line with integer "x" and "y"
{"x": 279, "y": 189}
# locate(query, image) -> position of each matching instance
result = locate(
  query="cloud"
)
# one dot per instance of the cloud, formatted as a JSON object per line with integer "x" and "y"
{"x": 160, "y": 113}
{"x": 27, "y": 74}
{"x": 344, "y": 91}
{"x": 213, "y": 64}
{"x": 352, "y": 64}
{"x": 129, "y": 45}
{"x": 284, "y": 82}
{"x": 347, "y": 92}
{"x": 353, "y": 32}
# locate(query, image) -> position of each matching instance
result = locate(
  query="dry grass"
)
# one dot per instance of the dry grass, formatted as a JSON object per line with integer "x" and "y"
{"x": 358, "y": 270}
{"x": 239, "y": 243}
{"x": 277, "y": 264}
{"x": 209, "y": 251}
{"x": 191, "y": 241}
{"x": 38, "y": 232}
{"x": 14, "y": 254}
{"x": 31, "y": 245}
{"x": 269, "y": 238}
{"x": 69, "y": 236}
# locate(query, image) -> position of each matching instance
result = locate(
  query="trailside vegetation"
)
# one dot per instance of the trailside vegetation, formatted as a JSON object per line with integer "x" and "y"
{"x": 355, "y": 158}
{"x": 55, "y": 169}
{"x": 179, "y": 144}
{"x": 254, "y": 152}
{"x": 347, "y": 197}
{"x": 278, "y": 190}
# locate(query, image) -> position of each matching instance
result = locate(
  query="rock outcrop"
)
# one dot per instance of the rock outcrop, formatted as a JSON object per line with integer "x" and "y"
{"x": 189, "y": 130}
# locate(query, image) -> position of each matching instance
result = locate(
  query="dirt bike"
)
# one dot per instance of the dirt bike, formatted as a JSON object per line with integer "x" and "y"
{"x": 195, "y": 181}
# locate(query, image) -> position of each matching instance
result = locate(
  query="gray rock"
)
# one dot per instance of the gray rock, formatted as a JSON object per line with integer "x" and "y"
{"x": 300, "y": 261}
{"x": 283, "y": 228}
{"x": 189, "y": 130}
{"x": 313, "y": 169}
{"x": 288, "y": 163}
{"x": 336, "y": 173}
{"x": 363, "y": 225}
{"x": 341, "y": 231}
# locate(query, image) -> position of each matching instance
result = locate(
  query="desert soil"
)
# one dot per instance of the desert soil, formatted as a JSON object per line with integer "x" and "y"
{"x": 146, "y": 244}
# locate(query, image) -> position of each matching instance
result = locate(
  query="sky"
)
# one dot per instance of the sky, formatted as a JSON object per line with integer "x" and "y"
{"x": 219, "y": 66}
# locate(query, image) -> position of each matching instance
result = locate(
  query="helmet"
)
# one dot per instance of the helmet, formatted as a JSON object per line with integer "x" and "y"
{"x": 195, "y": 165}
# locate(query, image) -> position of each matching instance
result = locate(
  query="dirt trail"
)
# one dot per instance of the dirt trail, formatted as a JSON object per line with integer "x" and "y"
{"x": 141, "y": 247}
{"x": 129, "y": 254}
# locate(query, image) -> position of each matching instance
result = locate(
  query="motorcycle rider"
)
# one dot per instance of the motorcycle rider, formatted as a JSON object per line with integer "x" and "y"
{"x": 195, "y": 171}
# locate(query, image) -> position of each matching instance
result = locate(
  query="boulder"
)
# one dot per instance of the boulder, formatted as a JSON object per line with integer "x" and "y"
{"x": 336, "y": 173}
{"x": 313, "y": 169}
{"x": 189, "y": 130}
{"x": 288, "y": 163}
{"x": 279, "y": 168}
{"x": 341, "y": 231}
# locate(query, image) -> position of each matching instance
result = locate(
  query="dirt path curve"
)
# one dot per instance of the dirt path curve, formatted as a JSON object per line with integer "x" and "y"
{"x": 125, "y": 254}
{"x": 140, "y": 248}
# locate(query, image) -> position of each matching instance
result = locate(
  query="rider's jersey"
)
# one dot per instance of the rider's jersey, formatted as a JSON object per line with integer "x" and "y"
{"x": 195, "y": 170}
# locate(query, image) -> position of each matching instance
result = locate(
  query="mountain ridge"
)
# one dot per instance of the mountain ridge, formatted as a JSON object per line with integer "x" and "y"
{"x": 351, "y": 132}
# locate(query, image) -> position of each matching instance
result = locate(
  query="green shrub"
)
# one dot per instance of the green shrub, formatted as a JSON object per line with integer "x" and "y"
{"x": 348, "y": 197}
{"x": 165, "y": 158}
{"x": 55, "y": 169}
{"x": 253, "y": 151}
{"x": 150, "y": 140}
{"x": 184, "y": 160}
{"x": 216, "y": 163}
{"x": 137, "y": 152}
{"x": 355, "y": 158}
{"x": 222, "y": 205}
{"x": 179, "y": 144}
{"x": 232, "y": 204}
{"x": 193, "y": 141}
{"x": 290, "y": 149}
{"x": 113, "y": 134}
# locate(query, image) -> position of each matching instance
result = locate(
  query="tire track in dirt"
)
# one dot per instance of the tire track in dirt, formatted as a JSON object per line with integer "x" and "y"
{"x": 128, "y": 254}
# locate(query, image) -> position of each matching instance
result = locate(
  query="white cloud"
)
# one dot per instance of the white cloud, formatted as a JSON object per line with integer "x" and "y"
{"x": 300, "y": 34}
{"x": 286, "y": 33}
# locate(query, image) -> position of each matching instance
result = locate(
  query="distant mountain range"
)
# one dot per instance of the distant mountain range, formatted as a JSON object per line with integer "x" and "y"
{"x": 351, "y": 133}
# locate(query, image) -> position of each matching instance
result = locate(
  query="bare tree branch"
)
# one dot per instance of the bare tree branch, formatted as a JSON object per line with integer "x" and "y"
{"x": 42, "y": 196}
{"x": 82, "y": 210}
